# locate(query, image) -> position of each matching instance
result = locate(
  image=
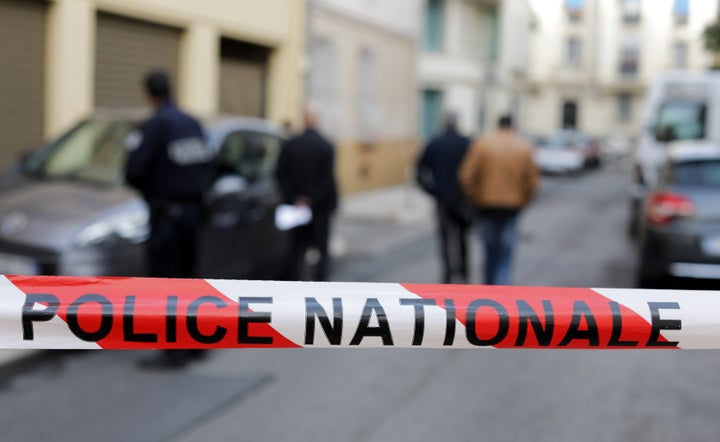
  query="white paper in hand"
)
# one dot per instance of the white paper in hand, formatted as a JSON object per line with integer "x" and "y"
{"x": 288, "y": 217}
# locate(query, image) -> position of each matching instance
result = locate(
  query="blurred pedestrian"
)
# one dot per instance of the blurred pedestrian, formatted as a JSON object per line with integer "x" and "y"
{"x": 168, "y": 164}
{"x": 500, "y": 178}
{"x": 306, "y": 176}
{"x": 437, "y": 174}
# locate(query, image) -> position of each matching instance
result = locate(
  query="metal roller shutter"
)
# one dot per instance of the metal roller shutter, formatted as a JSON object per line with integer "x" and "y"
{"x": 22, "y": 51}
{"x": 243, "y": 72}
{"x": 126, "y": 50}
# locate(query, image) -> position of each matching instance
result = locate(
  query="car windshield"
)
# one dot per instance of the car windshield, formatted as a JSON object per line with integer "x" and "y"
{"x": 685, "y": 118}
{"x": 704, "y": 173}
{"x": 92, "y": 151}
{"x": 557, "y": 141}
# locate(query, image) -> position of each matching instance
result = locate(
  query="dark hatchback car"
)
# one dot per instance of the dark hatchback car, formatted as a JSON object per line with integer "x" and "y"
{"x": 66, "y": 211}
{"x": 680, "y": 232}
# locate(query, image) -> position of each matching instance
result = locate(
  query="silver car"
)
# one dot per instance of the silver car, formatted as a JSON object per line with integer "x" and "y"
{"x": 680, "y": 231}
{"x": 66, "y": 211}
{"x": 561, "y": 153}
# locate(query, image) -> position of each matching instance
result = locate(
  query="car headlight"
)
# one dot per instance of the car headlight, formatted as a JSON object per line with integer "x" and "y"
{"x": 131, "y": 227}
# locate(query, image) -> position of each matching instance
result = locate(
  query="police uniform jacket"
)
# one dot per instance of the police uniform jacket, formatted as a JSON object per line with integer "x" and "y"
{"x": 169, "y": 159}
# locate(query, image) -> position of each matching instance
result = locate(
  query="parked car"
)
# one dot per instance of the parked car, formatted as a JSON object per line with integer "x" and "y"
{"x": 615, "y": 147}
{"x": 680, "y": 229}
{"x": 66, "y": 210}
{"x": 564, "y": 152}
{"x": 593, "y": 152}
{"x": 680, "y": 105}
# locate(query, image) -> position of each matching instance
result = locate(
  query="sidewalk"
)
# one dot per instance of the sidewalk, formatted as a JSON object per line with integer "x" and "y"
{"x": 370, "y": 223}
{"x": 403, "y": 204}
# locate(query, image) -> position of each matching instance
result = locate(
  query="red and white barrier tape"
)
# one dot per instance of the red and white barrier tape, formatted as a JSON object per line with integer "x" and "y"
{"x": 144, "y": 313}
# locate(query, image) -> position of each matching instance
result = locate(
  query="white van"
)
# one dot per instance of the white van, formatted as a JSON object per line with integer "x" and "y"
{"x": 682, "y": 108}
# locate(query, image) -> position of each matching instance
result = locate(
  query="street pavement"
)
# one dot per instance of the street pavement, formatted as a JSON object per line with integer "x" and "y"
{"x": 573, "y": 235}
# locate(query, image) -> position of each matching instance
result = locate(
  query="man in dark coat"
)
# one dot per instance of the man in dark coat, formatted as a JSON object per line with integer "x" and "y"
{"x": 437, "y": 174}
{"x": 168, "y": 163}
{"x": 306, "y": 176}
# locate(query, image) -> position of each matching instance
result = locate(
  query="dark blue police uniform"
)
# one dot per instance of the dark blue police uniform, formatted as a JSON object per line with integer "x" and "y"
{"x": 169, "y": 165}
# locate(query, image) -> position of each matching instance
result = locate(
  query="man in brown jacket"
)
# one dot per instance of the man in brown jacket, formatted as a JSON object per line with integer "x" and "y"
{"x": 500, "y": 177}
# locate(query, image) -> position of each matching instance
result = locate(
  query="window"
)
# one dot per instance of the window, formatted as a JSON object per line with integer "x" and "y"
{"x": 251, "y": 155}
{"x": 324, "y": 80}
{"x": 431, "y": 112}
{"x": 574, "y": 9}
{"x": 573, "y": 52}
{"x": 681, "y": 11}
{"x": 631, "y": 10}
{"x": 324, "y": 67}
{"x": 679, "y": 55}
{"x": 434, "y": 17}
{"x": 696, "y": 173}
{"x": 686, "y": 119}
{"x": 93, "y": 151}
{"x": 629, "y": 57}
{"x": 569, "y": 115}
{"x": 494, "y": 35}
{"x": 624, "y": 107}
{"x": 366, "y": 99}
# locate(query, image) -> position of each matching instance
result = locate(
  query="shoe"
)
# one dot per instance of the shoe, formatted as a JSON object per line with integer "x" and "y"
{"x": 166, "y": 360}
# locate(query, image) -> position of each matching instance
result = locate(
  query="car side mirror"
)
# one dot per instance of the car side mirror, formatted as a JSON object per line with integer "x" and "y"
{"x": 227, "y": 187}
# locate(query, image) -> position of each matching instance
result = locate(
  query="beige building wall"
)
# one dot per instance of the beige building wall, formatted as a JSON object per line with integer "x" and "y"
{"x": 276, "y": 24}
{"x": 362, "y": 80}
{"x": 511, "y": 70}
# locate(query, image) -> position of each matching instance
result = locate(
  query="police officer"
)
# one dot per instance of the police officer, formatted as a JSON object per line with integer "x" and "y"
{"x": 168, "y": 164}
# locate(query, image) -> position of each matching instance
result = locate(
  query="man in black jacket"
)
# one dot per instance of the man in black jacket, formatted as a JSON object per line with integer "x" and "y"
{"x": 306, "y": 176}
{"x": 437, "y": 174}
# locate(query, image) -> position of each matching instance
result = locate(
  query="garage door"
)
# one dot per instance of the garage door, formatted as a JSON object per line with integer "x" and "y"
{"x": 243, "y": 72}
{"x": 126, "y": 50}
{"x": 22, "y": 51}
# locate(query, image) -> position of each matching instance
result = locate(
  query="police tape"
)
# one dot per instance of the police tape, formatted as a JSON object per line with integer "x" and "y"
{"x": 46, "y": 312}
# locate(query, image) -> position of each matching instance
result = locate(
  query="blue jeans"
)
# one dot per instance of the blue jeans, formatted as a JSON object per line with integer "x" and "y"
{"x": 497, "y": 229}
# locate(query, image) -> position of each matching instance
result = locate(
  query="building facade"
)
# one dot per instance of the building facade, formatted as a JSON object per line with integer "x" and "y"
{"x": 361, "y": 77}
{"x": 64, "y": 58}
{"x": 590, "y": 61}
{"x": 460, "y": 62}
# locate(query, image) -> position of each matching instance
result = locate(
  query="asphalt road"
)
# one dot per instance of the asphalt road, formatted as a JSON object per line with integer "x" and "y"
{"x": 572, "y": 236}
